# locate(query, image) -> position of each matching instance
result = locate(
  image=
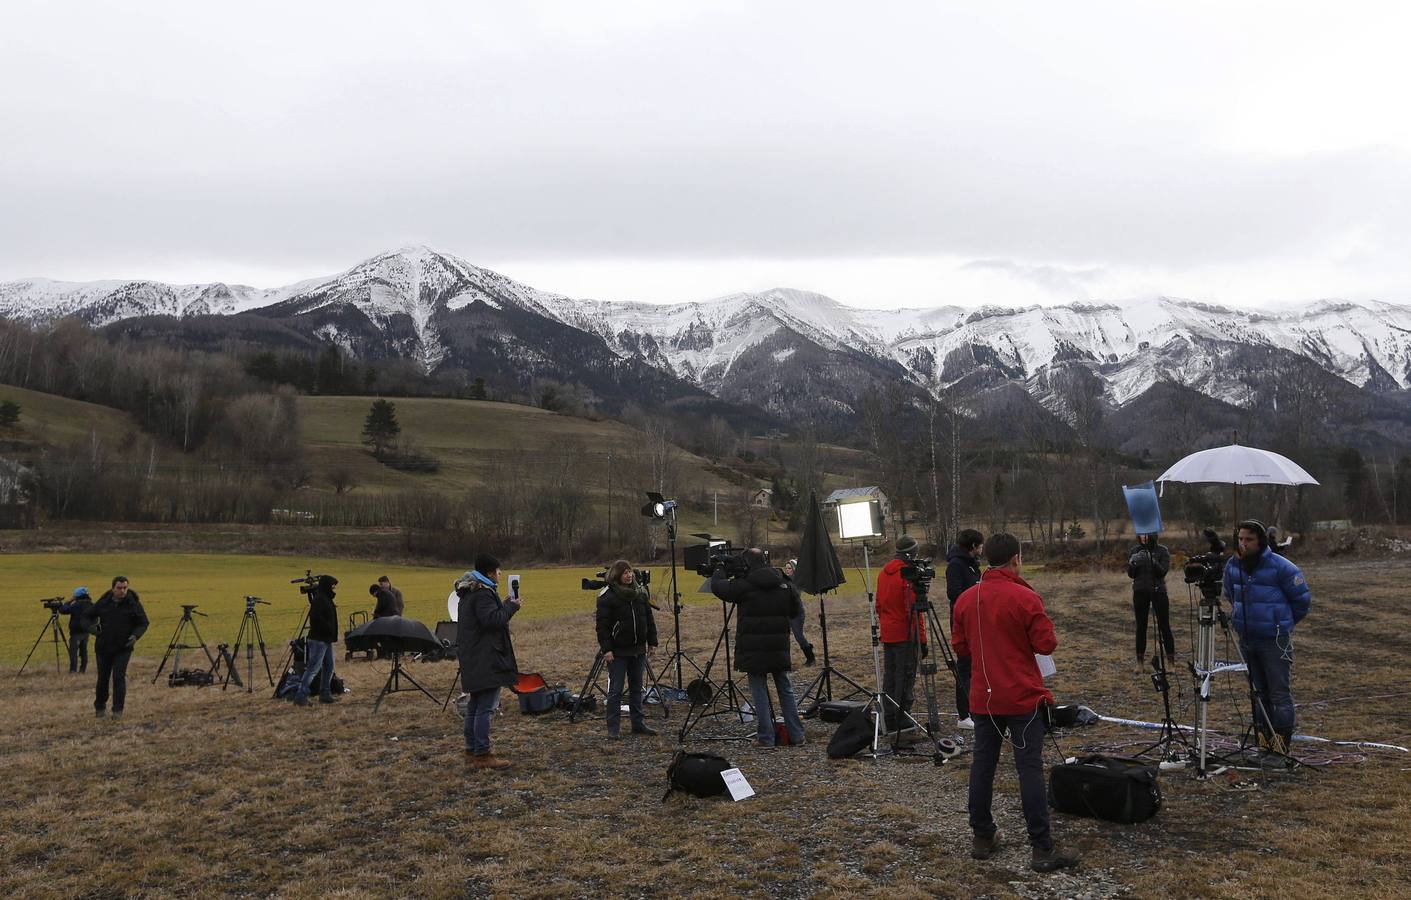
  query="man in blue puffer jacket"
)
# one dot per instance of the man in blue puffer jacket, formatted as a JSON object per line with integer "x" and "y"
{"x": 1270, "y": 597}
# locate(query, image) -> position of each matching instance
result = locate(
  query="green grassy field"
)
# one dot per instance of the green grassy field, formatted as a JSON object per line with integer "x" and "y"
{"x": 218, "y": 583}
{"x": 51, "y": 419}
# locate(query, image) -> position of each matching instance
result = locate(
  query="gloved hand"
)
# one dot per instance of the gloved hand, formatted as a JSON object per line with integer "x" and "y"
{"x": 131, "y": 642}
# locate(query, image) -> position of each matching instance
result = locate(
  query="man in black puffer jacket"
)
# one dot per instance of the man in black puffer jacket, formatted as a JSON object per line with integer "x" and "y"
{"x": 764, "y": 604}
{"x": 119, "y": 620}
{"x": 962, "y": 573}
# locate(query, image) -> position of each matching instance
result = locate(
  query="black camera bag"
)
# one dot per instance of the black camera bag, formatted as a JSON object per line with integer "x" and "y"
{"x": 543, "y": 700}
{"x": 1113, "y": 788}
{"x": 698, "y": 774}
{"x": 853, "y": 734}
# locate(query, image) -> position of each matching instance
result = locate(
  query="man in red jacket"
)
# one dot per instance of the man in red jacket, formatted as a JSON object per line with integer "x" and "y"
{"x": 896, "y": 618}
{"x": 1000, "y": 624}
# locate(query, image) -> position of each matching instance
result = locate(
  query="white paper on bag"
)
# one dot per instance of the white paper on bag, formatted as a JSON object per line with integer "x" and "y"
{"x": 1046, "y": 667}
{"x": 735, "y": 781}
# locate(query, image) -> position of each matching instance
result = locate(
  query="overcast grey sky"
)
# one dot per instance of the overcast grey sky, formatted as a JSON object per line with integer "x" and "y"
{"x": 885, "y": 154}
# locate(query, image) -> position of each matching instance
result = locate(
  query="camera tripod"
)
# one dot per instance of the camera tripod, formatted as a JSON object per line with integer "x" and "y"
{"x": 176, "y": 646}
{"x": 1173, "y": 745}
{"x": 394, "y": 682}
{"x": 54, "y": 629}
{"x": 594, "y": 683}
{"x": 926, "y": 635}
{"x": 286, "y": 667}
{"x": 1204, "y": 667}
{"x": 725, "y": 698}
{"x": 249, "y": 635}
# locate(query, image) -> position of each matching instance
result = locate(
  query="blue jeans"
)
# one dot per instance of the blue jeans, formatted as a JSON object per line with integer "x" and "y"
{"x": 318, "y": 663}
{"x": 114, "y": 665}
{"x": 1027, "y": 735}
{"x": 1271, "y": 669}
{"x": 78, "y": 652}
{"x": 632, "y": 668}
{"x": 788, "y": 707}
{"x": 479, "y": 710}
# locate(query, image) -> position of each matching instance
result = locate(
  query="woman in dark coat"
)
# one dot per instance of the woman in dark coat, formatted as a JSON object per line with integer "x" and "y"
{"x": 486, "y": 654}
{"x": 627, "y": 634}
{"x": 1147, "y": 567}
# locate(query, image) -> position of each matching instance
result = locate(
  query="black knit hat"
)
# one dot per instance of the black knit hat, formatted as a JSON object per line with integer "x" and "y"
{"x": 906, "y": 544}
{"x": 486, "y": 564}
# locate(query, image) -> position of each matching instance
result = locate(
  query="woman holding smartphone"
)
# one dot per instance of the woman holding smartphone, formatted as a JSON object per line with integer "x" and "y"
{"x": 627, "y": 634}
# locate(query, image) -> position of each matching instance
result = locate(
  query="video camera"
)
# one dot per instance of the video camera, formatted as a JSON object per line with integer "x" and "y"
{"x": 920, "y": 572}
{"x": 1207, "y": 569}
{"x": 598, "y": 582}
{"x": 727, "y": 559}
{"x": 53, "y": 603}
{"x": 308, "y": 582}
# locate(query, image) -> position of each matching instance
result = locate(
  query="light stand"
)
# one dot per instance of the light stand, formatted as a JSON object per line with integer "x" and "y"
{"x": 394, "y": 682}
{"x": 727, "y": 690}
{"x": 821, "y": 689}
{"x": 1171, "y": 733}
{"x": 54, "y": 629}
{"x": 677, "y": 656}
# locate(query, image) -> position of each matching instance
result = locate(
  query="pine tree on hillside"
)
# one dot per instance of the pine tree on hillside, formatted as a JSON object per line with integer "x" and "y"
{"x": 9, "y": 413}
{"x": 381, "y": 428}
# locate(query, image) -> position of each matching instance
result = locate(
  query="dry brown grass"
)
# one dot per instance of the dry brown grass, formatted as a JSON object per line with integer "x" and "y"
{"x": 196, "y": 792}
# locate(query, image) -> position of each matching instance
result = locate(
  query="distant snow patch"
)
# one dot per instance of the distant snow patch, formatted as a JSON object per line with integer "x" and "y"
{"x": 781, "y": 355}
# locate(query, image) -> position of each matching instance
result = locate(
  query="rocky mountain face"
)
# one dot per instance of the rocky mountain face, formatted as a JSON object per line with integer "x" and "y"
{"x": 793, "y": 356}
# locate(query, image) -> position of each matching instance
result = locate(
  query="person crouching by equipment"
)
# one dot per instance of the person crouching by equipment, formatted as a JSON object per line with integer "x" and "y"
{"x": 318, "y": 643}
{"x": 486, "y": 655}
{"x": 764, "y": 604}
{"x": 119, "y": 620}
{"x": 1147, "y": 567}
{"x": 384, "y": 601}
{"x": 962, "y": 573}
{"x": 76, "y": 608}
{"x": 1000, "y": 624}
{"x": 896, "y": 602}
{"x": 627, "y": 635}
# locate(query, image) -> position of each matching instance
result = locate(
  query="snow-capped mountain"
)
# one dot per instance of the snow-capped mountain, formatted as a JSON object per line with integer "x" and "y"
{"x": 781, "y": 350}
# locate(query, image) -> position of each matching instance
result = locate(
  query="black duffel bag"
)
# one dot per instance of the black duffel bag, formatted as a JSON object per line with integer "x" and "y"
{"x": 1113, "y": 788}
{"x": 698, "y": 774}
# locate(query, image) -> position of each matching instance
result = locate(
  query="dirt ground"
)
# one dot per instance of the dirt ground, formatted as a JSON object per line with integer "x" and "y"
{"x": 197, "y": 791}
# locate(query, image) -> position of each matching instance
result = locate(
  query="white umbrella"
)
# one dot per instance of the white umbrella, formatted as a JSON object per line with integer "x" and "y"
{"x": 1237, "y": 465}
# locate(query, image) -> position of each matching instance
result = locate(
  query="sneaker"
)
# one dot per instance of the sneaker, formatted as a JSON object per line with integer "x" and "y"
{"x": 1052, "y": 859}
{"x": 117, "y": 714}
{"x": 100, "y": 713}
{"x": 984, "y": 848}
{"x": 329, "y": 699}
{"x": 761, "y": 745}
{"x": 808, "y": 658}
{"x": 301, "y": 700}
{"x": 614, "y": 735}
{"x": 644, "y": 729}
{"x": 967, "y": 723}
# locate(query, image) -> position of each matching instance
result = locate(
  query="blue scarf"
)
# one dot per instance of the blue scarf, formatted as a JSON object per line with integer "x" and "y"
{"x": 483, "y": 579}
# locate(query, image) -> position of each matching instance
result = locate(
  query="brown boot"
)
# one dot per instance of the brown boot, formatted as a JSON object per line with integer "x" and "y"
{"x": 490, "y": 761}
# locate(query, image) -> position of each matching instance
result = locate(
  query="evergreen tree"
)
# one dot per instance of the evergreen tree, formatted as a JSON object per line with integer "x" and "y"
{"x": 9, "y": 413}
{"x": 477, "y": 389}
{"x": 381, "y": 428}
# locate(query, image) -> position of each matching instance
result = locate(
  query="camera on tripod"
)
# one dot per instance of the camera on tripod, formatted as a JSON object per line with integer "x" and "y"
{"x": 599, "y": 581}
{"x": 308, "y": 582}
{"x": 251, "y": 601}
{"x": 920, "y": 573}
{"x": 53, "y": 603}
{"x": 727, "y": 559}
{"x": 1206, "y": 570}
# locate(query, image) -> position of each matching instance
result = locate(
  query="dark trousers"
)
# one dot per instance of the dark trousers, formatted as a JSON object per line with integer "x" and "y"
{"x": 1270, "y": 663}
{"x": 1026, "y": 735}
{"x": 78, "y": 652}
{"x": 1142, "y": 603}
{"x": 898, "y": 680}
{"x": 796, "y": 626}
{"x": 631, "y": 668}
{"x": 112, "y": 665}
{"x": 962, "y": 686}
